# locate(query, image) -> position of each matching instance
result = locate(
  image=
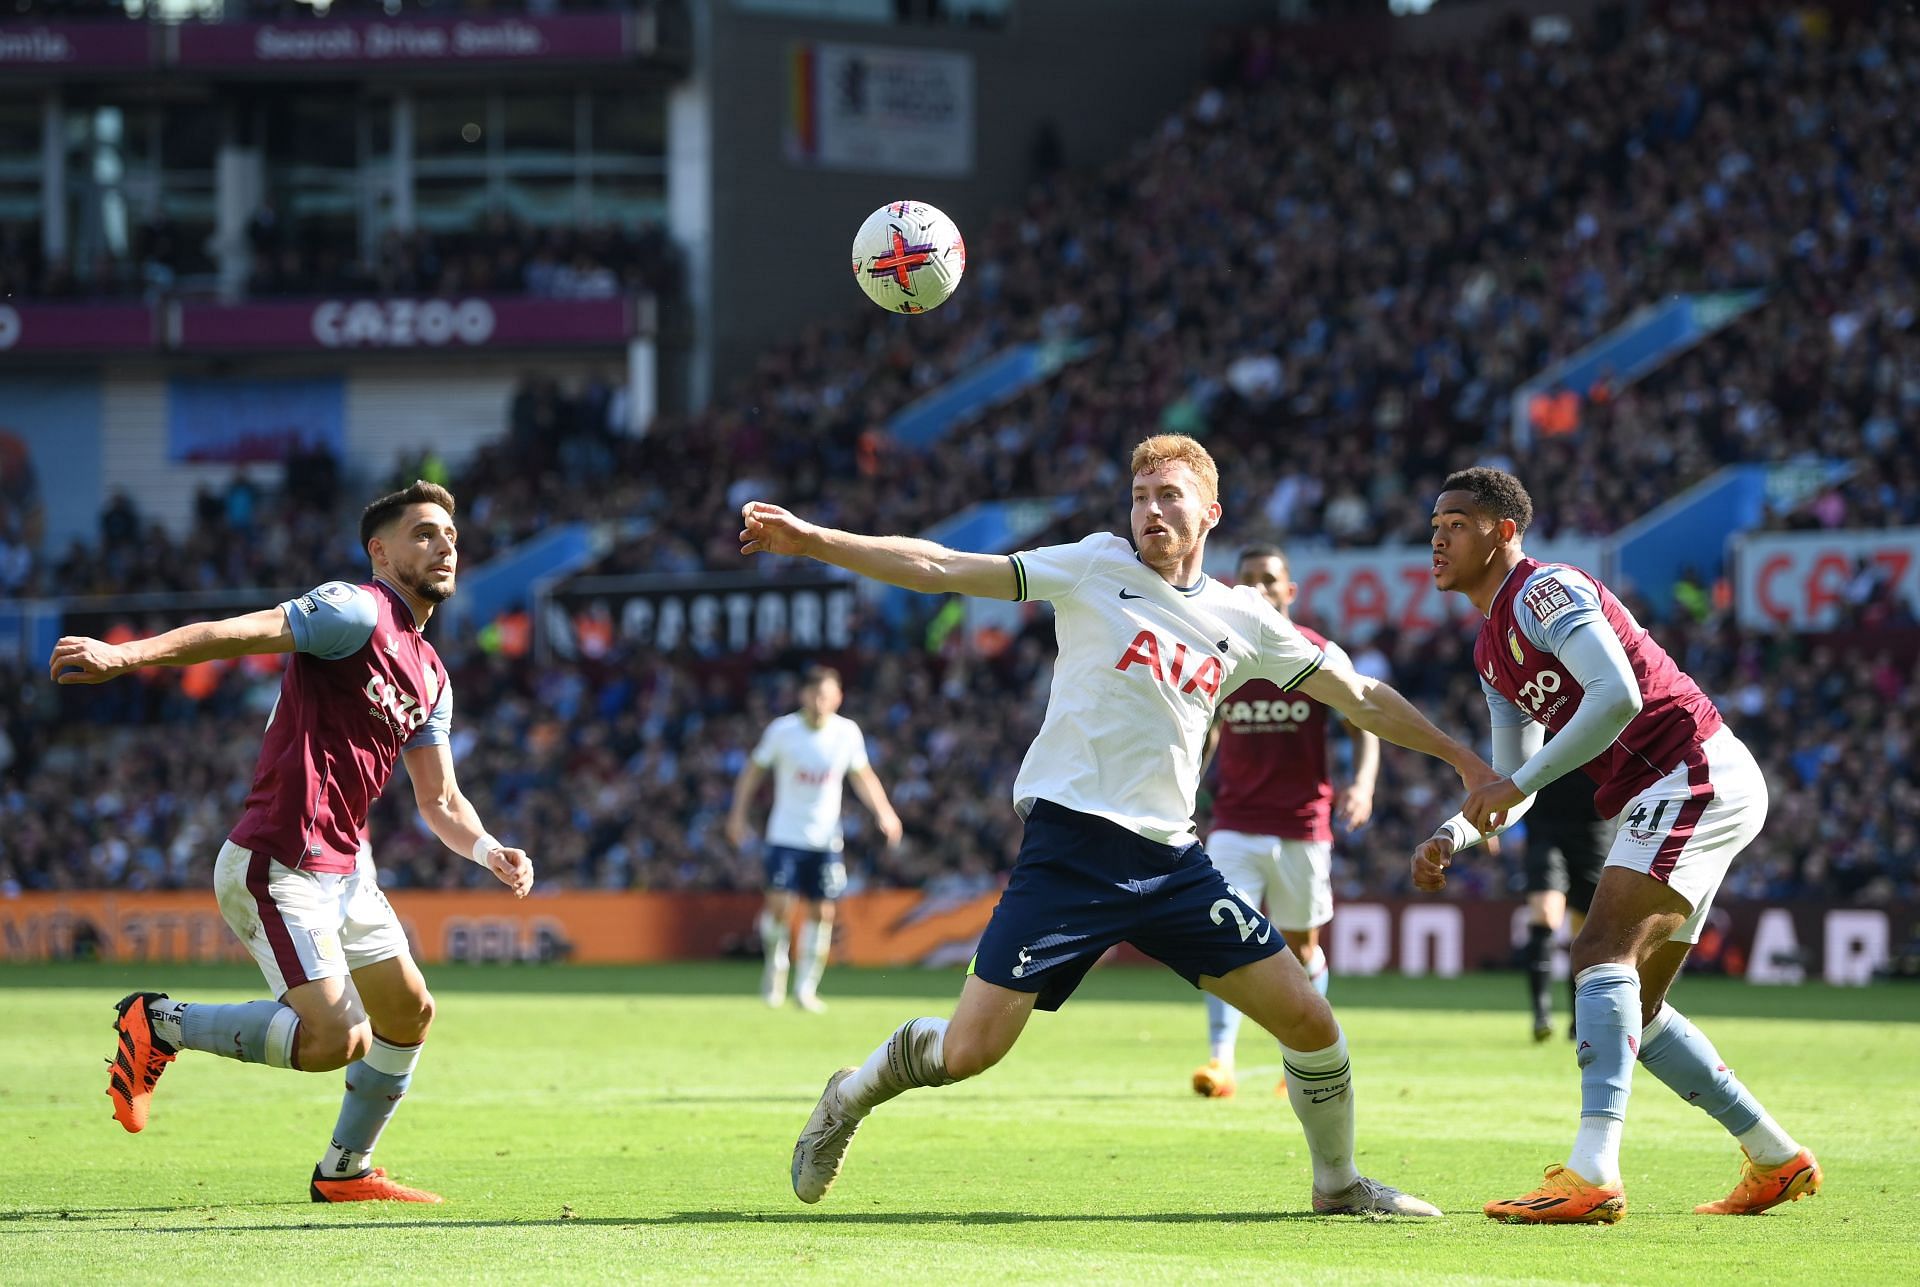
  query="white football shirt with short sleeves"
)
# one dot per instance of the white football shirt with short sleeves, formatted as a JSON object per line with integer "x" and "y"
{"x": 1142, "y": 664}
{"x": 809, "y": 765}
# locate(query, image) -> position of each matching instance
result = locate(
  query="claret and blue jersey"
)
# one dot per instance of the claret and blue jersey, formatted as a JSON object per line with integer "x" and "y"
{"x": 362, "y": 686}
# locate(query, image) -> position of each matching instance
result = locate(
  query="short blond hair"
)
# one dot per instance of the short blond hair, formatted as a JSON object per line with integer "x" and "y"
{"x": 1178, "y": 449}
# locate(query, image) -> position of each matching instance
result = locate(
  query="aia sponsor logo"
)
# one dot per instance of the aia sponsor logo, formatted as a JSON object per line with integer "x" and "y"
{"x": 1175, "y": 665}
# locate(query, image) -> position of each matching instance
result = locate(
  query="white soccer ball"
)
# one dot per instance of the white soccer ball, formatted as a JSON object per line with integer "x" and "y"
{"x": 908, "y": 257}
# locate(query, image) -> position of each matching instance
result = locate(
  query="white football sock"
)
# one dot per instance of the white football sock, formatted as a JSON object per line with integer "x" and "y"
{"x": 1320, "y": 1088}
{"x": 775, "y": 943}
{"x": 1596, "y": 1151}
{"x": 914, "y": 1056}
{"x": 816, "y": 943}
{"x": 1767, "y": 1144}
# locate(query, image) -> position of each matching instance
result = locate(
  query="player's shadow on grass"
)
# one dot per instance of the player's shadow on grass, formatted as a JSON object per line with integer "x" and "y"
{"x": 684, "y": 1218}
{"x": 76, "y": 1214}
{"x": 969, "y": 1217}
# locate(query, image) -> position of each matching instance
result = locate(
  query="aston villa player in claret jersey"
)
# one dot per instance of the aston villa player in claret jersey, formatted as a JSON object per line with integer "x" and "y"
{"x": 1274, "y": 806}
{"x": 1558, "y": 653}
{"x": 295, "y": 879}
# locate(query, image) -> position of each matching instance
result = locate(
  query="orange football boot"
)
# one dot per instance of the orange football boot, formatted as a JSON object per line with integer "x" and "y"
{"x": 136, "y": 1066}
{"x": 1213, "y": 1080}
{"x": 1564, "y": 1197}
{"x": 368, "y": 1186}
{"x": 1764, "y": 1187}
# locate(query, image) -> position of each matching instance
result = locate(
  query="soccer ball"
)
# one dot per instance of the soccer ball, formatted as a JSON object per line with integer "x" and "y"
{"x": 908, "y": 257}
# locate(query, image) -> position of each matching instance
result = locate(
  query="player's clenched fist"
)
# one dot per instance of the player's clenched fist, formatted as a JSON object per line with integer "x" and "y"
{"x": 79, "y": 660}
{"x": 771, "y": 530}
{"x": 513, "y": 869}
{"x": 1430, "y": 863}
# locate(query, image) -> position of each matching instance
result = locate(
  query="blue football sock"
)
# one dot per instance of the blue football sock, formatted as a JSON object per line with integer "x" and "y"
{"x": 1606, "y": 1010}
{"x": 254, "y": 1032}
{"x": 1680, "y": 1055}
{"x": 1223, "y": 1028}
{"x": 1316, "y": 967}
{"x": 375, "y": 1086}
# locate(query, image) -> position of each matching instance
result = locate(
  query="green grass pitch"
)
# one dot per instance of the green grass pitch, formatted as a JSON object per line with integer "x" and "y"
{"x": 592, "y": 1125}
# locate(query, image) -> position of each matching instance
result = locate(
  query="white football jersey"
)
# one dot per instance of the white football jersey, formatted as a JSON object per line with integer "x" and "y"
{"x": 809, "y": 765}
{"x": 1141, "y": 667}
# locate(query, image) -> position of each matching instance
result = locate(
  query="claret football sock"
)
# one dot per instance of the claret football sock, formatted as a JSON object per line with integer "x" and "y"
{"x": 254, "y": 1032}
{"x": 914, "y": 1056}
{"x": 1320, "y": 1088}
{"x": 1680, "y": 1055}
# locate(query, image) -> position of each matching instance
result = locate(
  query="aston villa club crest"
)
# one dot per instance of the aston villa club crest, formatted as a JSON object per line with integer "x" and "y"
{"x": 1513, "y": 646}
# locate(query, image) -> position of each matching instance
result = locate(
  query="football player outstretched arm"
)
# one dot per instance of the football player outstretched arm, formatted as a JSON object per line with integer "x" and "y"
{"x": 452, "y": 817}
{"x": 1368, "y": 704}
{"x": 905, "y": 561}
{"x": 79, "y": 660}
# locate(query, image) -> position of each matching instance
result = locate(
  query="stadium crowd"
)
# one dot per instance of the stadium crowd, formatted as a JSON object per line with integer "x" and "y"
{"x": 618, "y": 771}
{"x": 1336, "y": 273}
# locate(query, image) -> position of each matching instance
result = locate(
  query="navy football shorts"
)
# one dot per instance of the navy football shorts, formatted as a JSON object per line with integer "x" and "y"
{"x": 1083, "y": 884}
{"x": 806, "y": 873}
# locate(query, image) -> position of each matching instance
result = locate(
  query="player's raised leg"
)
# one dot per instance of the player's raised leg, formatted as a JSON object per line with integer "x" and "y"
{"x": 289, "y": 922}
{"x": 1276, "y": 994}
{"x": 920, "y": 1052}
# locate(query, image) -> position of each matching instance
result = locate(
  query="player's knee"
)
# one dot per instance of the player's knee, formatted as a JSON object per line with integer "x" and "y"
{"x": 967, "y": 1055}
{"x": 409, "y": 1026}
{"x": 1313, "y": 1027}
{"x": 327, "y": 1043}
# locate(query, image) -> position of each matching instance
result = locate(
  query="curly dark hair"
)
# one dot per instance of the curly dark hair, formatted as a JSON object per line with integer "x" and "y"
{"x": 1496, "y": 492}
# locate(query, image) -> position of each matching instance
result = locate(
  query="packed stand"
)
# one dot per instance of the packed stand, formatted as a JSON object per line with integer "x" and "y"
{"x": 618, "y": 772}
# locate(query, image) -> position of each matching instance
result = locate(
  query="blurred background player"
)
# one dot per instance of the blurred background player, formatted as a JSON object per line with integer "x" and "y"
{"x": 1109, "y": 855}
{"x": 1557, "y": 651}
{"x": 1566, "y": 847}
{"x": 295, "y": 879}
{"x": 1272, "y": 832}
{"x": 810, "y": 753}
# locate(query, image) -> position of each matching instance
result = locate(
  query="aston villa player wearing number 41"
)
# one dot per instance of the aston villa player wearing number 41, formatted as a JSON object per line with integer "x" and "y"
{"x": 1558, "y": 652}
{"x": 295, "y": 879}
{"x": 1148, "y": 644}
